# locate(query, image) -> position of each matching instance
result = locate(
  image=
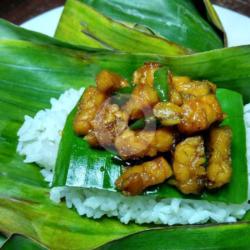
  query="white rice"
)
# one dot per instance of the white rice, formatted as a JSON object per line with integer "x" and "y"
{"x": 39, "y": 139}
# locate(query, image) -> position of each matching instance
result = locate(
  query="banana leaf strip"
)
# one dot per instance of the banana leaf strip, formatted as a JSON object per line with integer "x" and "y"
{"x": 207, "y": 10}
{"x": 110, "y": 34}
{"x": 214, "y": 237}
{"x": 21, "y": 242}
{"x": 178, "y": 21}
{"x": 9, "y": 31}
{"x": 2, "y": 239}
{"x": 211, "y": 14}
{"x": 30, "y": 74}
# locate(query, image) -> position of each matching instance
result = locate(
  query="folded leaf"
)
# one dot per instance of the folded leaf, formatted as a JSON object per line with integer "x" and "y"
{"x": 21, "y": 242}
{"x": 214, "y": 237}
{"x": 30, "y": 75}
{"x": 96, "y": 30}
{"x": 178, "y": 21}
{"x": 2, "y": 239}
{"x": 9, "y": 31}
{"x": 212, "y": 14}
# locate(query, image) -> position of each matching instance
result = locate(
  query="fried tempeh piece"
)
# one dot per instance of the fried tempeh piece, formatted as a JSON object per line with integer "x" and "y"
{"x": 142, "y": 100}
{"x": 188, "y": 165}
{"x": 193, "y": 116}
{"x": 198, "y": 105}
{"x": 183, "y": 88}
{"x": 137, "y": 178}
{"x": 145, "y": 74}
{"x": 219, "y": 169}
{"x": 108, "y": 82}
{"x": 108, "y": 123}
{"x": 88, "y": 106}
{"x": 168, "y": 113}
{"x": 199, "y": 114}
{"x": 138, "y": 144}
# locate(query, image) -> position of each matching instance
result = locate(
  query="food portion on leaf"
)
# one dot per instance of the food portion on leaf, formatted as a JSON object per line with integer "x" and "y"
{"x": 66, "y": 70}
{"x": 32, "y": 74}
{"x": 177, "y": 147}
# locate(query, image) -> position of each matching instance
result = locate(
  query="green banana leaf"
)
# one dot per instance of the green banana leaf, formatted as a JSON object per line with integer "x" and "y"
{"x": 2, "y": 239}
{"x": 9, "y": 31}
{"x": 214, "y": 237}
{"x": 99, "y": 31}
{"x": 162, "y": 27}
{"x": 30, "y": 74}
{"x": 26, "y": 86}
{"x": 98, "y": 169}
{"x": 211, "y": 14}
{"x": 191, "y": 237}
{"x": 21, "y": 242}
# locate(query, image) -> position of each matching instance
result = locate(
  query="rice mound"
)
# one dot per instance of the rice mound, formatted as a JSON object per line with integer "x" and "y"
{"x": 39, "y": 139}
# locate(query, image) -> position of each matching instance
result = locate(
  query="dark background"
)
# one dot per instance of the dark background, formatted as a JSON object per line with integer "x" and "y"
{"x": 18, "y": 11}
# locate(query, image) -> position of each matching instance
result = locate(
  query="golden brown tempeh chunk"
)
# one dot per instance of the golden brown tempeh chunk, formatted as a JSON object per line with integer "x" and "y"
{"x": 88, "y": 106}
{"x": 168, "y": 113}
{"x": 199, "y": 114}
{"x": 138, "y": 144}
{"x": 145, "y": 74}
{"x": 219, "y": 169}
{"x": 142, "y": 100}
{"x": 108, "y": 82}
{"x": 183, "y": 88}
{"x": 188, "y": 165}
{"x": 137, "y": 178}
{"x": 109, "y": 123}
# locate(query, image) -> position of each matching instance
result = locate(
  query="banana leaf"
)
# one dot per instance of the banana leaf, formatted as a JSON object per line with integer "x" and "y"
{"x": 96, "y": 28}
{"x": 2, "y": 239}
{"x": 30, "y": 74}
{"x": 9, "y": 31}
{"x": 191, "y": 237}
{"x": 21, "y": 242}
{"x": 214, "y": 237}
{"x": 25, "y": 208}
{"x": 162, "y": 27}
{"x": 98, "y": 169}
